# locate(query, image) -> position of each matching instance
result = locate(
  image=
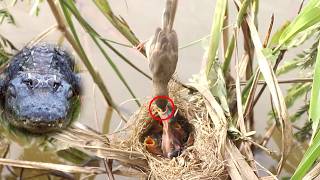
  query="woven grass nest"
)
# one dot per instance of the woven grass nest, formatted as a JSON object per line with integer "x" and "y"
{"x": 203, "y": 159}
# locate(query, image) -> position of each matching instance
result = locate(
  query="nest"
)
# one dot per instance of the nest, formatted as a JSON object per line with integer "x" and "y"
{"x": 203, "y": 159}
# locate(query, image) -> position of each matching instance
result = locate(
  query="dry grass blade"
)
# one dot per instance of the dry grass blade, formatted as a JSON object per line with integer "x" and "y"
{"x": 51, "y": 166}
{"x": 266, "y": 39}
{"x": 239, "y": 68}
{"x": 214, "y": 109}
{"x": 250, "y": 99}
{"x": 108, "y": 167}
{"x": 78, "y": 136}
{"x": 271, "y": 176}
{"x": 127, "y": 171}
{"x": 203, "y": 88}
{"x": 240, "y": 122}
{"x": 238, "y": 167}
{"x": 107, "y": 120}
{"x": 314, "y": 173}
{"x": 268, "y": 178}
{"x": 275, "y": 91}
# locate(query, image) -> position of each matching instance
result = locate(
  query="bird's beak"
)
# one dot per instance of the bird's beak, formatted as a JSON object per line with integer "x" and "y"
{"x": 171, "y": 137}
{"x": 152, "y": 146}
{"x": 171, "y": 144}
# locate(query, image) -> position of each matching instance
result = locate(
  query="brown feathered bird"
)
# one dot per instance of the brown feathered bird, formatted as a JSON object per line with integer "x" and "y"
{"x": 162, "y": 53}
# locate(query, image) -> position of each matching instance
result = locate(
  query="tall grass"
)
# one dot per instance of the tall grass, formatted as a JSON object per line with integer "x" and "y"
{"x": 238, "y": 102}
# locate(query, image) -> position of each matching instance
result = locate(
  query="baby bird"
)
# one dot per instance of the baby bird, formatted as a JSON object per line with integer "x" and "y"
{"x": 162, "y": 53}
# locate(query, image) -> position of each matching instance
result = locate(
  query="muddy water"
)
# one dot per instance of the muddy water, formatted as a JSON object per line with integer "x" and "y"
{"x": 193, "y": 21}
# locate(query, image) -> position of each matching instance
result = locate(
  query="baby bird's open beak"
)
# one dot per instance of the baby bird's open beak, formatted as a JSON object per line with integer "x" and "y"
{"x": 152, "y": 146}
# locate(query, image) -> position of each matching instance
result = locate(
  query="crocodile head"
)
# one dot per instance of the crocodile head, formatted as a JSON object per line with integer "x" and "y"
{"x": 39, "y": 96}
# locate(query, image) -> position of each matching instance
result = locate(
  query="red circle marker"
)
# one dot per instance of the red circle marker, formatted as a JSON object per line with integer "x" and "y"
{"x": 159, "y": 118}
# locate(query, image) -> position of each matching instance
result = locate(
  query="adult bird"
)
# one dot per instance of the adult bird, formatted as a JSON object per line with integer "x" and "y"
{"x": 162, "y": 53}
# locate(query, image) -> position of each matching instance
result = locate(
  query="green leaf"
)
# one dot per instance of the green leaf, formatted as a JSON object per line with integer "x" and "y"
{"x": 310, "y": 5}
{"x": 269, "y": 54}
{"x": 276, "y": 36}
{"x": 310, "y": 156}
{"x": 315, "y": 96}
{"x": 296, "y": 92}
{"x": 308, "y": 17}
{"x": 228, "y": 55}
{"x": 242, "y": 12}
{"x": 6, "y": 16}
{"x": 216, "y": 31}
{"x": 303, "y": 60}
{"x": 303, "y": 36}
{"x": 214, "y": 72}
{"x": 298, "y": 114}
{"x": 6, "y": 49}
{"x": 287, "y": 67}
{"x": 117, "y": 71}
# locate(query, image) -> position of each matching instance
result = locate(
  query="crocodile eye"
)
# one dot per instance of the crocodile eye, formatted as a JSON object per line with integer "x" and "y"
{"x": 56, "y": 85}
{"x": 30, "y": 83}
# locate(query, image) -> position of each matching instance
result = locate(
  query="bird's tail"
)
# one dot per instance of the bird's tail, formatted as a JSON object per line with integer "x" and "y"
{"x": 169, "y": 14}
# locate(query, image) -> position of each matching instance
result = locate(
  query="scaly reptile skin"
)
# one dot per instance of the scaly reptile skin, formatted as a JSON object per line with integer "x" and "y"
{"x": 38, "y": 88}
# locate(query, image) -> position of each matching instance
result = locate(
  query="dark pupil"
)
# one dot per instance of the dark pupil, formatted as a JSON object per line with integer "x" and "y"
{"x": 29, "y": 83}
{"x": 56, "y": 85}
